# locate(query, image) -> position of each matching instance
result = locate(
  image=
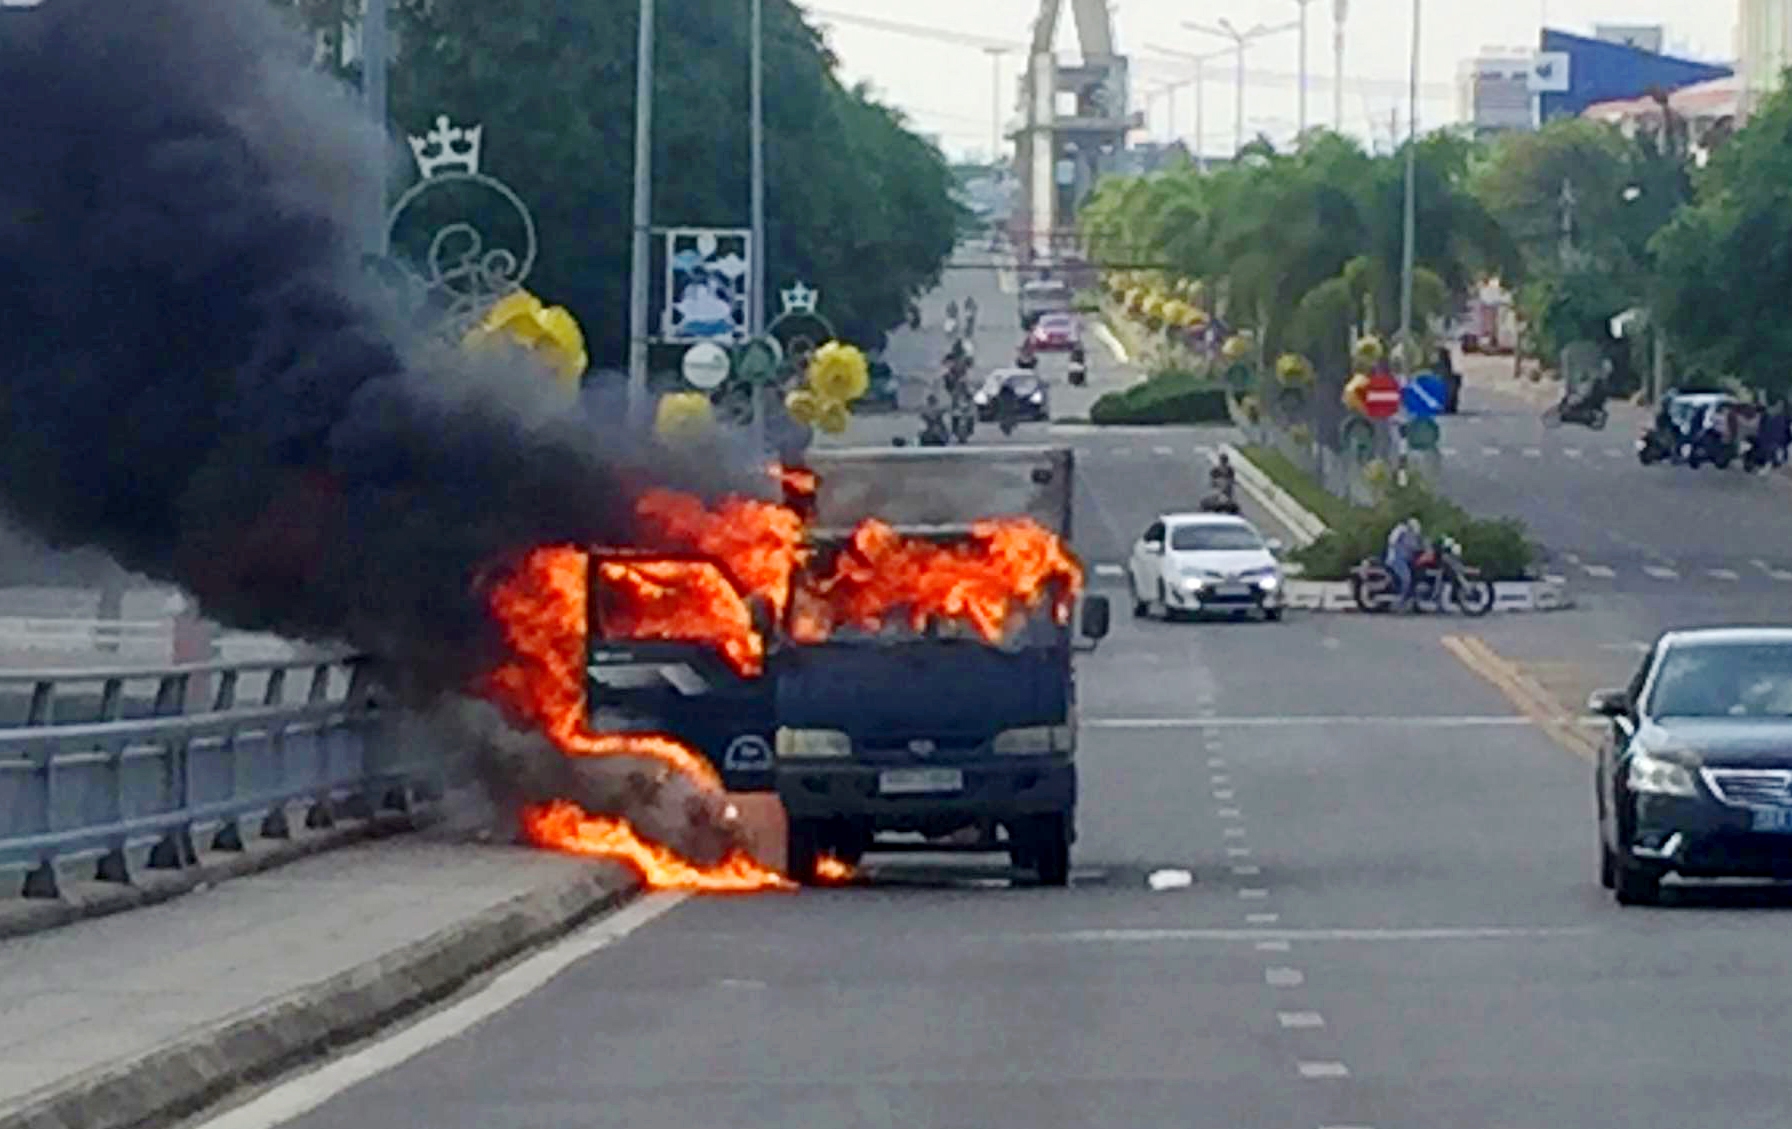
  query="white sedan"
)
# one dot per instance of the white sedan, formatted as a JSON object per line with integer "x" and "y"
{"x": 1202, "y": 562}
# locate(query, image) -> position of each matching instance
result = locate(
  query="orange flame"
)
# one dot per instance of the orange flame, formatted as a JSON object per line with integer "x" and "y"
{"x": 760, "y": 544}
{"x": 830, "y": 869}
{"x": 564, "y": 826}
{"x": 880, "y": 574}
{"x": 685, "y": 600}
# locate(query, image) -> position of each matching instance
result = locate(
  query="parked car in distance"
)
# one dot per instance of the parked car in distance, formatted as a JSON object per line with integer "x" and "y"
{"x": 1056, "y": 333}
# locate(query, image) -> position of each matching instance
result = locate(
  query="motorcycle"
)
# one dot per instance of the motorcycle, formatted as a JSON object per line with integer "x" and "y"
{"x": 1711, "y": 446}
{"x": 1079, "y": 368}
{"x": 1757, "y": 455}
{"x": 1657, "y": 446}
{"x": 1584, "y": 414}
{"x": 934, "y": 432}
{"x": 1439, "y": 575}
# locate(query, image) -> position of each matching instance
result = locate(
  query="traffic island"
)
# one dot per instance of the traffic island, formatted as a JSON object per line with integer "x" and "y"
{"x": 1324, "y": 552}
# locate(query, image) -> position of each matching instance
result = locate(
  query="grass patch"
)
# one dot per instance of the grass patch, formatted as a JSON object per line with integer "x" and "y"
{"x": 1320, "y": 502}
{"x": 1499, "y": 547}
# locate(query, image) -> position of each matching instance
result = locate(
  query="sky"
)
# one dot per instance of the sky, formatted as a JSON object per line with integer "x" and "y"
{"x": 945, "y": 88}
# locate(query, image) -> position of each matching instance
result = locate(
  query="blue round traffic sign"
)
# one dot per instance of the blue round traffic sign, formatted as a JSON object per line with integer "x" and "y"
{"x": 1425, "y": 396}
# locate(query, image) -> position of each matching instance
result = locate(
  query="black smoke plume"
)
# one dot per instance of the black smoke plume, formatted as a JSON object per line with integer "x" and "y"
{"x": 197, "y": 376}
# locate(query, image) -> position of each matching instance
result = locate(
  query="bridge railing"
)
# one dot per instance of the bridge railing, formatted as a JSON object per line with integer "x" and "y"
{"x": 128, "y": 766}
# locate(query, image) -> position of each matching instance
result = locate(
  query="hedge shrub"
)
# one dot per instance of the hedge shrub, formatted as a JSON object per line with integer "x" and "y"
{"x": 1497, "y": 546}
{"x": 1173, "y": 396}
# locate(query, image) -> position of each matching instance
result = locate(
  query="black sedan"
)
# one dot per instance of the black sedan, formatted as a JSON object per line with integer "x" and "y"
{"x": 1030, "y": 400}
{"x": 1695, "y": 775}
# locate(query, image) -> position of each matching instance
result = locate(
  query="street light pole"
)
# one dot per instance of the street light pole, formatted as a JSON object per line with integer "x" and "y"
{"x": 995, "y": 102}
{"x": 1303, "y": 63}
{"x": 1340, "y": 10}
{"x": 1240, "y": 41}
{"x": 1410, "y": 235}
{"x": 756, "y": 128}
{"x": 641, "y": 261}
{"x": 375, "y": 50}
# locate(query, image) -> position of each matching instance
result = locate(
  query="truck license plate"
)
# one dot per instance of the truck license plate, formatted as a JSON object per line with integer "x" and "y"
{"x": 1773, "y": 819}
{"x": 910, "y": 781}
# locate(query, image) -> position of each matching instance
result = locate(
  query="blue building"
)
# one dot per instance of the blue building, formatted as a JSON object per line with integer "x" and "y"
{"x": 1603, "y": 71}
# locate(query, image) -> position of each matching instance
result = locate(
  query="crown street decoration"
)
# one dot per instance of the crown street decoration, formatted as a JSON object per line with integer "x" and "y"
{"x": 457, "y": 272}
{"x": 799, "y": 299}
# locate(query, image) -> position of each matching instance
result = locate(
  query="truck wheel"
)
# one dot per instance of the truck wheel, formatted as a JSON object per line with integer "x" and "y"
{"x": 1049, "y": 847}
{"x": 805, "y": 843}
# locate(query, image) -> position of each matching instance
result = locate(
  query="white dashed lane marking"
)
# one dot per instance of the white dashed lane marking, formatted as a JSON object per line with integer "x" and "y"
{"x": 1272, "y": 946}
{"x": 1284, "y": 977}
{"x": 1109, "y": 570}
{"x": 1238, "y": 852}
{"x": 1247, "y": 871}
{"x": 1300, "y": 1020}
{"x": 1262, "y": 918}
{"x": 1722, "y": 574}
{"x": 1253, "y": 894}
{"x": 1660, "y": 573}
{"x": 1164, "y": 451}
{"x": 1324, "y": 1070}
{"x": 1600, "y": 572}
{"x": 1233, "y": 833}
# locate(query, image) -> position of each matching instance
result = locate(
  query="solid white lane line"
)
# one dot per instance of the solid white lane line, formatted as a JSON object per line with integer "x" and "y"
{"x": 301, "y": 1095}
{"x": 1284, "y": 977}
{"x": 1602, "y": 572}
{"x": 1106, "y": 336}
{"x": 1368, "y": 936}
{"x": 1324, "y": 1070}
{"x": 1465, "y": 721}
{"x": 1300, "y": 1020}
{"x": 1272, "y": 946}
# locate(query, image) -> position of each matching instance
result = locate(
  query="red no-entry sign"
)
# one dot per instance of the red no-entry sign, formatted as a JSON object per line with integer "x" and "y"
{"x": 1381, "y": 399}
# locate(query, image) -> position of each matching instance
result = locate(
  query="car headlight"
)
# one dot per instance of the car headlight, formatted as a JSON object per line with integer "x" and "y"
{"x": 1658, "y": 777}
{"x": 1035, "y": 740}
{"x": 812, "y": 744}
{"x": 1269, "y": 582}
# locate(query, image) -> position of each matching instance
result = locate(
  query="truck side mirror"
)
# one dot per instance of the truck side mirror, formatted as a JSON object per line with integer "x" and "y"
{"x": 1095, "y": 617}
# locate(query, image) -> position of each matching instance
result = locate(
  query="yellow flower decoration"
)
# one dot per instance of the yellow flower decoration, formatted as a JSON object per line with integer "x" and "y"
{"x": 839, "y": 372}
{"x": 684, "y": 416}
{"x": 804, "y": 406}
{"x": 1294, "y": 370}
{"x": 1354, "y": 392}
{"x": 833, "y": 417}
{"x": 1237, "y": 347}
{"x": 1367, "y": 353}
{"x": 550, "y": 332}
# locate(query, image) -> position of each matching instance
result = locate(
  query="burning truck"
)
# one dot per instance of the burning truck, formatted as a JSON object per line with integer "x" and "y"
{"x": 888, "y": 659}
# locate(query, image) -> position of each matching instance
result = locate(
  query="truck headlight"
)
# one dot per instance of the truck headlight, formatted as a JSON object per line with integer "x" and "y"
{"x": 1035, "y": 740}
{"x": 1658, "y": 777}
{"x": 813, "y": 744}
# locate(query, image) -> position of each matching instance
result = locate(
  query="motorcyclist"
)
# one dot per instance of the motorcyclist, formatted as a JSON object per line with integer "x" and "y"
{"x": 1224, "y": 478}
{"x": 934, "y": 431}
{"x": 1405, "y": 541}
{"x": 1007, "y": 407}
{"x": 1079, "y": 365}
{"x": 970, "y": 315}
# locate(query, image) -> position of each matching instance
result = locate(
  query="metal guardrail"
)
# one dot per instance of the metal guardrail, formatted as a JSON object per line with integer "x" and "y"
{"x": 101, "y": 764}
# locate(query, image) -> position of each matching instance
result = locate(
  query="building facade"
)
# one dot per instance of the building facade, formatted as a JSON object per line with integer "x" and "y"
{"x": 1603, "y": 71}
{"x": 1763, "y": 47}
{"x": 1493, "y": 92}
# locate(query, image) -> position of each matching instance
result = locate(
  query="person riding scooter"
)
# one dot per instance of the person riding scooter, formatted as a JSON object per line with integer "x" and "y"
{"x": 1007, "y": 408}
{"x": 934, "y": 432}
{"x": 1079, "y": 366}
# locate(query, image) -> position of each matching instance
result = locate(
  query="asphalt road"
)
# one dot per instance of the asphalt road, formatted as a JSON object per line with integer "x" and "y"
{"x": 1393, "y": 922}
{"x": 1609, "y": 523}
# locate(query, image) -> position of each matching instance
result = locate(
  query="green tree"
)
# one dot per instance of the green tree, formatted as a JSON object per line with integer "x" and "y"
{"x": 1723, "y": 268}
{"x": 856, "y": 203}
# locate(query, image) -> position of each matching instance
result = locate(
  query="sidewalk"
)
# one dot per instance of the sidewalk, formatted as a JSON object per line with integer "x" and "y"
{"x": 140, "y": 1018}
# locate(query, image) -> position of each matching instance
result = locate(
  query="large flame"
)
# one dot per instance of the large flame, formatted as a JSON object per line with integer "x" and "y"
{"x": 564, "y": 826}
{"x": 879, "y": 575}
{"x": 720, "y": 564}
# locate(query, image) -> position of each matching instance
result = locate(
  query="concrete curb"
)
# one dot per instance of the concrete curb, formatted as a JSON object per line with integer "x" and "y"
{"x": 81, "y": 900}
{"x": 1299, "y": 521}
{"x": 1508, "y": 596}
{"x": 207, "y": 1065}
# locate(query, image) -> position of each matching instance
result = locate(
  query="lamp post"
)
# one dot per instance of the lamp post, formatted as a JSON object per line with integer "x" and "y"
{"x": 756, "y": 129}
{"x": 995, "y": 102}
{"x": 1199, "y": 82}
{"x": 1340, "y": 11}
{"x": 1240, "y": 40}
{"x": 1410, "y": 234}
{"x": 641, "y": 259}
{"x": 1303, "y": 63}
{"x": 375, "y": 49}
